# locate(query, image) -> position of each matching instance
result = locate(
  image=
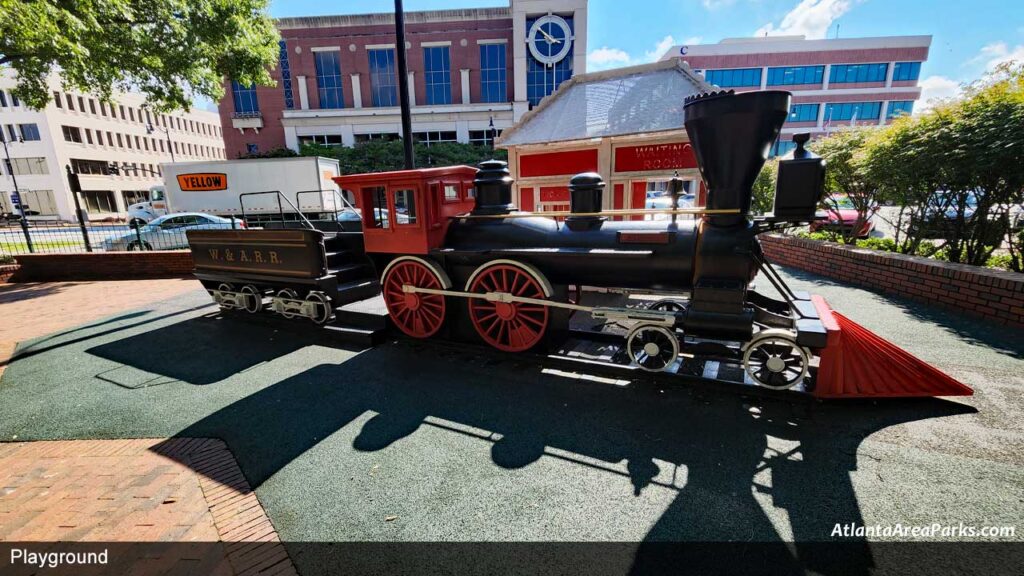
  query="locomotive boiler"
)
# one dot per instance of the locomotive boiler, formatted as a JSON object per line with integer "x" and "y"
{"x": 450, "y": 256}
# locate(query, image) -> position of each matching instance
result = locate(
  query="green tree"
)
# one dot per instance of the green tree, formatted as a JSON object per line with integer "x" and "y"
{"x": 844, "y": 175}
{"x": 962, "y": 164}
{"x": 170, "y": 50}
{"x": 764, "y": 188}
{"x": 384, "y": 155}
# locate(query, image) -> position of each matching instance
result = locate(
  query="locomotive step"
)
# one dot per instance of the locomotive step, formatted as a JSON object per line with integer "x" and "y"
{"x": 371, "y": 314}
{"x": 356, "y": 290}
{"x": 350, "y": 272}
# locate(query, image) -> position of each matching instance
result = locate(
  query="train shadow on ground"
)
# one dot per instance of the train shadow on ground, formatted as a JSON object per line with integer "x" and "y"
{"x": 969, "y": 329}
{"x": 202, "y": 350}
{"x": 719, "y": 441}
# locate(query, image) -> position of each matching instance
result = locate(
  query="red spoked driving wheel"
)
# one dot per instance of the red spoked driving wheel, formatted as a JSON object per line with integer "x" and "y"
{"x": 508, "y": 326}
{"x": 418, "y": 315}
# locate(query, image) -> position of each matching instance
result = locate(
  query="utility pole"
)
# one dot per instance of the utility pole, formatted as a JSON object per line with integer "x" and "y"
{"x": 170, "y": 146}
{"x": 403, "y": 85}
{"x": 21, "y": 201}
{"x": 76, "y": 187}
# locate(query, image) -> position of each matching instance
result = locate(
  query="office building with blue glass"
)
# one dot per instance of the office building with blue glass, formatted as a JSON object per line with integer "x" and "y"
{"x": 472, "y": 73}
{"x": 835, "y": 82}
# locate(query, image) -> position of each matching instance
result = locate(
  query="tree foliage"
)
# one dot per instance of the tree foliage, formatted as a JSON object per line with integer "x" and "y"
{"x": 970, "y": 150}
{"x": 764, "y": 188}
{"x": 844, "y": 174}
{"x": 384, "y": 156}
{"x": 170, "y": 50}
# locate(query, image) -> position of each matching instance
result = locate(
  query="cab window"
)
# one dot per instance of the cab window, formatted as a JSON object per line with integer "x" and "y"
{"x": 405, "y": 206}
{"x": 379, "y": 201}
{"x": 451, "y": 193}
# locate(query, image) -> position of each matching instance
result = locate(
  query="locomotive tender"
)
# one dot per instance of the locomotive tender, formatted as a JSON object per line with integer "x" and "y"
{"x": 450, "y": 255}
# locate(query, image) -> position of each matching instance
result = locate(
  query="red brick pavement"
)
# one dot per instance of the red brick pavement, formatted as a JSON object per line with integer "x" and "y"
{"x": 176, "y": 490}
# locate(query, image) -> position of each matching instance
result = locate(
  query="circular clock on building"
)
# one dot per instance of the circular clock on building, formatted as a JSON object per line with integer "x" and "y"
{"x": 550, "y": 39}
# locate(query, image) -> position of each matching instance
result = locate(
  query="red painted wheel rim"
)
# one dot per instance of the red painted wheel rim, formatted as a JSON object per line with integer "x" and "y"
{"x": 508, "y": 326}
{"x": 418, "y": 315}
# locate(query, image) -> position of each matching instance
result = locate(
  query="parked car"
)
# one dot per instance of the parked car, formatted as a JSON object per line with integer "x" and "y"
{"x": 939, "y": 215}
{"x": 841, "y": 217}
{"x": 168, "y": 232}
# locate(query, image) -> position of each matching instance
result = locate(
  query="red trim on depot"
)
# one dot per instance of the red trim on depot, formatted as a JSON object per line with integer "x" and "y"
{"x": 638, "y": 198}
{"x": 558, "y": 163}
{"x": 674, "y": 155}
{"x": 618, "y": 196}
{"x": 702, "y": 195}
{"x": 526, "y": 202}
{"x": 554, "y": 194}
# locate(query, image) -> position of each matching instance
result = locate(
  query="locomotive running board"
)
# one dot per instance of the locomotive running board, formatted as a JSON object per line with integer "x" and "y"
{"x": 857, "y": 363}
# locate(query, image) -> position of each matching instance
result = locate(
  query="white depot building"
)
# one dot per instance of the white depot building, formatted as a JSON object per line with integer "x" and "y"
{"x": 80, "y": 131}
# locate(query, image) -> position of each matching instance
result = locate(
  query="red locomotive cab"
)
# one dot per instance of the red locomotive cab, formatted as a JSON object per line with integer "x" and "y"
{"x": 408, "y": 211}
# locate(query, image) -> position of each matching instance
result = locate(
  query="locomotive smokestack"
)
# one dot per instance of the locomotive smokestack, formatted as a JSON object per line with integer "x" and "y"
{"x": 731, "y": 135}
{"x": 493, "y": 185}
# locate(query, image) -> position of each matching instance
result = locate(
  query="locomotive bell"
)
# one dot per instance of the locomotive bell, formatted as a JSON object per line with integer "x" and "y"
{"x": 800, "y": 183}
{"x": 493, "y": 185}
{"x": 731, "y": 135}
{"x": 586, "y": 192}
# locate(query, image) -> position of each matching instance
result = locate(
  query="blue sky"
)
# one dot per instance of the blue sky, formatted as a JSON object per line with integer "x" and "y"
{"x": 968, "y": 37}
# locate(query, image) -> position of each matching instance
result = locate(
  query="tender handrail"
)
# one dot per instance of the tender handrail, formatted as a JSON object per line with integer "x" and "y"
{"x": 334, "y": 193}
{"x": 280, "y": 207}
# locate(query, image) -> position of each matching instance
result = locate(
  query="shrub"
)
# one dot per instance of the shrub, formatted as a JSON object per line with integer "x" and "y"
{"x": 1001, "y": 261}
{"x": 883, "y": 244}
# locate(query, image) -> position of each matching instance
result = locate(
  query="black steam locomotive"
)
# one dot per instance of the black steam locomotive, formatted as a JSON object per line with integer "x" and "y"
{"x": 450, "y": 255}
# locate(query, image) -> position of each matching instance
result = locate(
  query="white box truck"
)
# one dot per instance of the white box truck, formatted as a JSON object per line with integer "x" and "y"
{"x": 216, "y": 188}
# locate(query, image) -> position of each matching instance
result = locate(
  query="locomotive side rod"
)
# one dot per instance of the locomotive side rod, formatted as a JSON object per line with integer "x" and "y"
{"x": 664, "y": 318}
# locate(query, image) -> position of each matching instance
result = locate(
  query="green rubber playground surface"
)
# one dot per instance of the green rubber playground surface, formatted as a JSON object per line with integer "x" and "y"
{"x": 414, "y": 441}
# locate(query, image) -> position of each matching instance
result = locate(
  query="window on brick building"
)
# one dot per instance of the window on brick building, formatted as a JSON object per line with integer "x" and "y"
{"x": 328, "y": 79}
{"x": 851, "y": 73}
{"x": 493, "y": 85}
{"x": 383, "y": 91}
{"x": 736, "y": 78}
{"x": 437, "y": 74}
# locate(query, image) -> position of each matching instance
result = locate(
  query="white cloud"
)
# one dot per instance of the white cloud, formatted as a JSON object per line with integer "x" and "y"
{"x": 934, "y": 89}
{"x": 997, "y": 53}
{"x": 659, "y": 49}
{"x": 812, "y": 18}
{"x": 605, "y": 57}
{"x": 716, "y": 4}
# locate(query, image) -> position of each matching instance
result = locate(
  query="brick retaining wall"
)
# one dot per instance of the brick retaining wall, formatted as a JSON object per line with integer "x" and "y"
{"x": 995, "y": 295}
{"x": 103, "y": 266}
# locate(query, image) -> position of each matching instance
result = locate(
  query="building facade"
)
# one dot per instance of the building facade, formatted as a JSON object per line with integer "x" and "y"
{"x": 625, "y": 124}
{"x": 835, "y": 82}
{"x": 471, "y": 74}
{"x": 91, "y": 136}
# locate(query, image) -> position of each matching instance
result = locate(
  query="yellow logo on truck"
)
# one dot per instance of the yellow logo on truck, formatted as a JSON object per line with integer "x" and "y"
{"x": 202, "y": 182}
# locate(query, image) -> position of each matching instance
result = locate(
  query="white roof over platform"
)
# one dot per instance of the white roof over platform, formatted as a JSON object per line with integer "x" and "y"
{"x": 633, "y": 100}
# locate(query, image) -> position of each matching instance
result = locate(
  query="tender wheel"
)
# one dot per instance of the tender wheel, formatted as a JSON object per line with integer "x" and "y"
{"x": 652, "y": 348}
{"x": 225, "y": 287}
{"x": 325, "y": 310}
{"x": 288, "y": 294}
{"x": 253, "y": 298}
{"x": 666, "y": 305}
{"x": 416, "y": 314}
{"x": 508, "y": 326}
{"x": 774, "y": 360}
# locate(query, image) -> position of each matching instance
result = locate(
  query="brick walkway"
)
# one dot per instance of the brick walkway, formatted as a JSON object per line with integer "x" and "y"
{"x": 177, "y": 490}
{"x": 34, "y": 309}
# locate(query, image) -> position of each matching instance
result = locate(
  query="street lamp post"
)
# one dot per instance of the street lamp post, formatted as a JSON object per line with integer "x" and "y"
{"x": 21, "y": 204}
{"x": 170, "y": 146}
